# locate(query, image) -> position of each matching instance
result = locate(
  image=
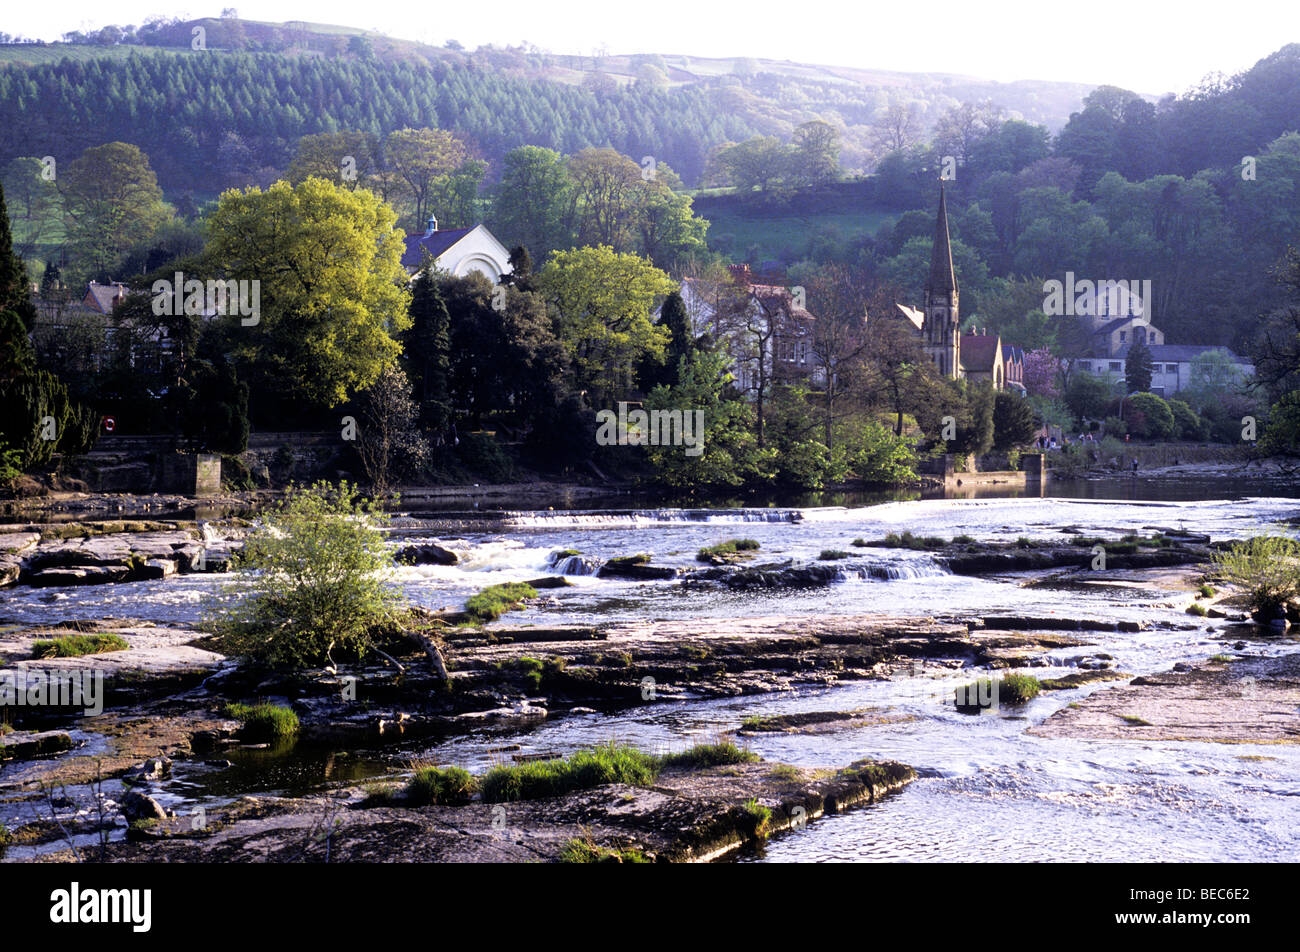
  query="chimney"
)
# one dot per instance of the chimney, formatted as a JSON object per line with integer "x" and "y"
{"x": 433, "y": 225}
{"x": 739, "y": 273}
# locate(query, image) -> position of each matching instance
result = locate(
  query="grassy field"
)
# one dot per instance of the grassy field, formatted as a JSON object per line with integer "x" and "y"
{"x": 733, "y": 231}
{"x": 36, "y": 55}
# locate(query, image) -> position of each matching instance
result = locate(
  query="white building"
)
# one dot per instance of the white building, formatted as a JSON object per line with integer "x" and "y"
{"x": 1171, "y": 366}
{"x": 458, "y": 252}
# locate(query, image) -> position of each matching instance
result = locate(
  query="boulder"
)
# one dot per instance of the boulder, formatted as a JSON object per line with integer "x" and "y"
{"x": 22, "y": 745}
{"x": 156, "y": 569}
{"x": 550, "y": 581}
{"x": 429, "y": 553}
{"x": 139, "y": 806}
{"x": 155, "y": 768}
{"x": 635, "y": 567}
{"x": 793, "y": 576}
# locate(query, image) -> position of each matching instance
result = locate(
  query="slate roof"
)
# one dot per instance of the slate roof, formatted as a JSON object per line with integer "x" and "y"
{"x": 103, "y": 296}
{"x": 978, "y": 352}
{"x": 1181, "y": 353}
{"x": 436, "y": 244}
{"x": 941, "y": 276}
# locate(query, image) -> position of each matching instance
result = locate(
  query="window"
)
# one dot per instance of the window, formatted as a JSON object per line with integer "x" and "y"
{"x": 1123, "y": 336}
{"x": 1085, "y": 365}
{"x": 1114, "y": 365}
{"x": 1171, "y": 368}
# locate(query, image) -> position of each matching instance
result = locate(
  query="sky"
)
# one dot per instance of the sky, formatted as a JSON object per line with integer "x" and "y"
{"x": 1149, "y": 47}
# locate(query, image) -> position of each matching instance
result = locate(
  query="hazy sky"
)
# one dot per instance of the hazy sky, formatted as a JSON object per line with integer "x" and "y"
{"x": 1150, "y": 47}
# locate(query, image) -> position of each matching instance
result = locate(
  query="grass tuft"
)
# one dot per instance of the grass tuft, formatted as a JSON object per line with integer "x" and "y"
{"x": 495, "y": 600}
{"x": 74, "y": 646}
{"x": 586, "y": 850}
{"x": 732, "y": 548}
{"x": 607, "y": 763}
{"x": 264, "y": 723}
{"x": 443, "y": 786}
{"x": 710, "y": 755}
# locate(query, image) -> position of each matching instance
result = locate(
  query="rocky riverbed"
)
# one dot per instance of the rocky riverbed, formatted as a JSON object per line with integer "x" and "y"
{"x": 536, "y": 683}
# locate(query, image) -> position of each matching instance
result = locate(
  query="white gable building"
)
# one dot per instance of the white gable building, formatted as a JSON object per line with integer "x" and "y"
{"x": 458, "y": 252}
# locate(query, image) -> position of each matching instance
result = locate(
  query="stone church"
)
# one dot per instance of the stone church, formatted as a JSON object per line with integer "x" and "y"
{"x": 973, "y": 355}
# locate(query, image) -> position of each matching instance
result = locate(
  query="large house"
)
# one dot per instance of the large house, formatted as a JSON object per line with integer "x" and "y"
{"x": 1171, "y": 366}
{"x": 974, "y": 355}
{"x": 1120, "y": 320}
{"x": 458, "y": 251}
{"x": 759, "y": 318}
{"x": 104, "y": 298}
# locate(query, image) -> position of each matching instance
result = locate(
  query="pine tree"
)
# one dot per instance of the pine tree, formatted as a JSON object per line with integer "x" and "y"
{"x": 1138, "y": 367}
{"x": 15, "y": 289}
{"x": 428, "y": 352}
{"x": 673, "y": 316}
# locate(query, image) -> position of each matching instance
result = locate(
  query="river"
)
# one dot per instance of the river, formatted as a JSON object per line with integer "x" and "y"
{"x": 988, "y": 790}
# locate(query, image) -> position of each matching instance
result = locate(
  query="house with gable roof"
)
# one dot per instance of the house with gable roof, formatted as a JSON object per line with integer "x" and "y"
{"x": 458, "y": 251}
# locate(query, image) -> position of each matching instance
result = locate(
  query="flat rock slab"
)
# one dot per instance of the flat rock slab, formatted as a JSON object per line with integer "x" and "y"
{"x": 688, "y": 815}
{"x": 23, "y": 745}
{"x": 1256, "y": 701}
{"x": 154, "y": 650}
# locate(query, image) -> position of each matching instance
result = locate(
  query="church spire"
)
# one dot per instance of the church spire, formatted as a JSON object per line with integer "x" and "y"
{"x": 941, "y": 280}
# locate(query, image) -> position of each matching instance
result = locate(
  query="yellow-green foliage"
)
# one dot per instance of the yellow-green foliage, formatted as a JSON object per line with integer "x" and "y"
{"x": 311, "y": 582}
{"x": 328, "y": 323}
{"x": 1267, "y": 567}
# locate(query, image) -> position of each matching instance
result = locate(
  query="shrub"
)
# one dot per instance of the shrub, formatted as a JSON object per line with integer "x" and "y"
{"x": 1281, "y": 435}
{"x": 1149, "y": 416}
{"x": 535, "y": 671}
{"x": 908, "y": 541}
{"x": 831, "y": 555}
{"x": 264, "y": 723}
{"x": 1268, "y": 568}
{"x": 1196, "y": 608}
{"x": 72, "y": 646}
{"x": 4, "y": 840}
{"x": 1187, "y": 425}
{"x": 311, "y": 580}
{"x": 1205, "y": 591}
{"x": 1007, "y": 689}
{"x": 495, "y": 600}
{"x": 446, "y": 786}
